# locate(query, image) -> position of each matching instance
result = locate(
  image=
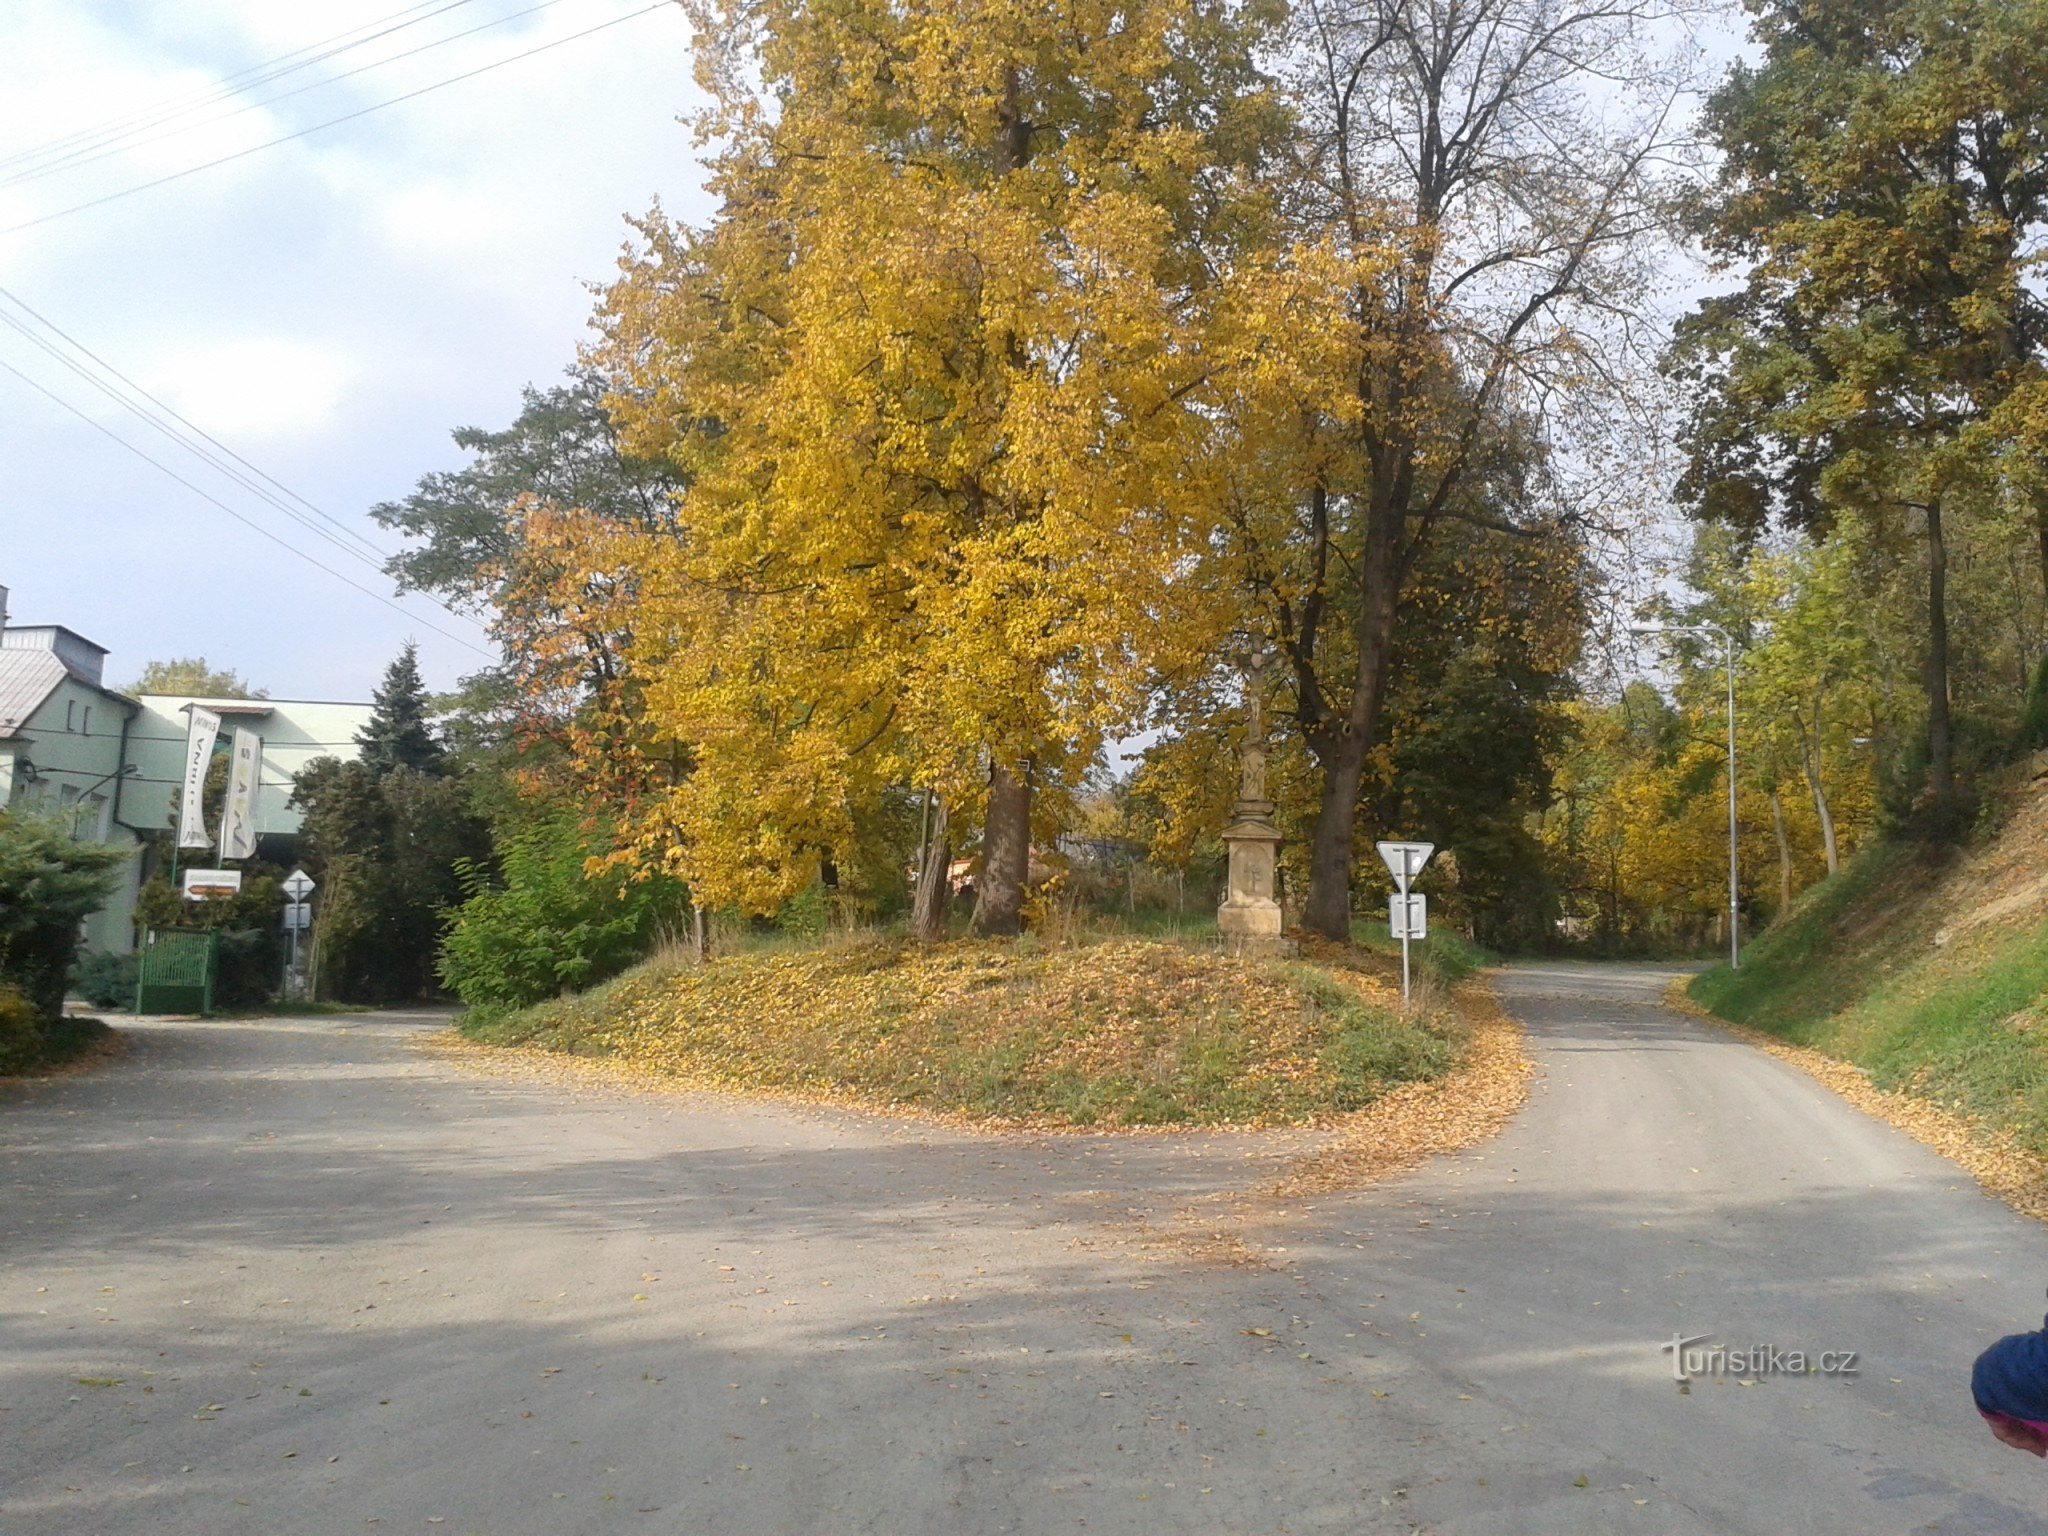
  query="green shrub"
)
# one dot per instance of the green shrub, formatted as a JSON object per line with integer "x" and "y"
{"x": 21, "y": 1032}
{"x": 2034, "y": 720}
{"x": 49, "y": 884}
{"x": 252, "y": 945}
{"x": 547, "y": 925}
{"x": 106, "y": 980}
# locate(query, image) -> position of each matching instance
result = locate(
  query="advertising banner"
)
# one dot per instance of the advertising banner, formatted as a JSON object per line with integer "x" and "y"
{"x": 199, "y": 739}
{"x": 238, "y": 816}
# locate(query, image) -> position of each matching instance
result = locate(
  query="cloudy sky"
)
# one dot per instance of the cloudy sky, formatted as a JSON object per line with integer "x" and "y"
{"x": 329, "y": 308}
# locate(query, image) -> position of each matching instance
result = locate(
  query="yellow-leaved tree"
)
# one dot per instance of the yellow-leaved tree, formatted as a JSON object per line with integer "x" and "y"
{"x": 927, "y": 376}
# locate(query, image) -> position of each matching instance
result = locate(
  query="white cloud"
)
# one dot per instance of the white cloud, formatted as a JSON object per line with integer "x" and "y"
{"x": 254, "y": 388}
{"x": 331, "y": 307}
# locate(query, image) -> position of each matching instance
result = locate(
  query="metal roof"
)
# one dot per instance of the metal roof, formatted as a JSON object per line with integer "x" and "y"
{"x": 26, "y": 679}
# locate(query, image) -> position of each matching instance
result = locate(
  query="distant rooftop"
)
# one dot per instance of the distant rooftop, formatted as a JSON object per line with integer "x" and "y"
{"x": 81, "y": 657}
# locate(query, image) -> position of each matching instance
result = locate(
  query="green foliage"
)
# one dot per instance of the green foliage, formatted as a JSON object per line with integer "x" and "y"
{"x": 48, "y": 886}
{"x": 1884, "y": 188}
{"x": 251, "y": 955}
{"x": 545, "y": 924}
{"x": 399, "y": 734}
{"x": 106, "y": 980}
{"x": 21, "y": 1031}
{"x": 562, "y": 449}
{"x": 2033, "y": 734}
{"x": 387, "y": 849}
{"x": 191, "y": 675}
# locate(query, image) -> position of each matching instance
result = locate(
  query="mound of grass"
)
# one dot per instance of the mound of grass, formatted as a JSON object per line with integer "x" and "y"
{"x": 65, "y": 1043}
{"x": 1123, "y": 1032}
{"x": 1931, "y": 974}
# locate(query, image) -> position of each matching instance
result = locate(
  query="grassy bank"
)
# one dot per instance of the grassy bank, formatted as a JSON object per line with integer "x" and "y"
{"x": 66, "y": 1043}
{"x": 1929, "y": 972}
{"x": 1121, "y": 1032}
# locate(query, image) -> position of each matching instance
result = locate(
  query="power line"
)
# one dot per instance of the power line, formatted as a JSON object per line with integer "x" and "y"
{"x": 242, "y": 79}
{"x": 200, "y": 491}
{"x": 362, "y": 548}
{"x": 87, "y": 154}
{"x": 331, "y": 122}
{"x": 210, "y": 460}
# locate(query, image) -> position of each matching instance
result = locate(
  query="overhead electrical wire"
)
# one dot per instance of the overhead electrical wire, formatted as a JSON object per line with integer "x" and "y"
{"x": 241, "y": 80}
{"x": 75, "y": 150}
{"x": 90, "y": 154}
{"x": 360, "y": 546}
{"x": 248, "y": 522}
{"x": 212, "y": 461}
{"x": 361, "y": 549}
{"x": 242, "y": 154}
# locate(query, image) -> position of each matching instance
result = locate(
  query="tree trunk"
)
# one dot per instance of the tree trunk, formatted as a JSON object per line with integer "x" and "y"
{"x": 1809, "y": 765}
{"x": 934, "y": 879}
{"x": 1327, "y": 910}
{"x": 1784, "y": 852}
{"x": 1343, "y": 749}
{"x": 1005, "y": 853}
{"x": 1941, "y": 766}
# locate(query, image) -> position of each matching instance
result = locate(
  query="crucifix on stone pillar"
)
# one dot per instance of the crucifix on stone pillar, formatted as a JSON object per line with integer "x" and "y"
{"x": 1250, "y": 919}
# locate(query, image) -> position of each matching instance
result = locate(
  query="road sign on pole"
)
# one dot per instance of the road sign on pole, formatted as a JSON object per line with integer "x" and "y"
{"x": 1405, "y": 860}
{"x": 1405, "y": 913}
{"x": 1408, "y": 916}
{"x": 298, "y": 918}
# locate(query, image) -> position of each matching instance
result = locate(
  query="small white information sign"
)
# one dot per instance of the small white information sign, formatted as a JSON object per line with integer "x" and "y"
{"x": 298, "y": 916}
{"x": 1408, "y": 916}
{"x": 200, "y": 884}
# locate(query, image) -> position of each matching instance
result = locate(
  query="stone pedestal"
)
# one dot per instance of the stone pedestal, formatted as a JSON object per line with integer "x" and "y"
{"x": 1249, "y": 919}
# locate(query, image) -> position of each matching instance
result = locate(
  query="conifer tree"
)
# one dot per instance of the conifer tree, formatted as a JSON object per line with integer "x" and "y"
{"x": 399, "y": 734}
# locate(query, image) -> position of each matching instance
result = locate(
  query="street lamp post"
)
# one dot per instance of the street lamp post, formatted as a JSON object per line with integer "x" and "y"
{"x": 1734, "y": 864}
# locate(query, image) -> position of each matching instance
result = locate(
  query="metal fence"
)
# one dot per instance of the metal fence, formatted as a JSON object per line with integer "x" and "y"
{"x": 176, "y": 973}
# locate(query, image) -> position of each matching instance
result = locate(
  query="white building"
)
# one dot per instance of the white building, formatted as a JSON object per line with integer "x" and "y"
{"x": 113, "y": 764}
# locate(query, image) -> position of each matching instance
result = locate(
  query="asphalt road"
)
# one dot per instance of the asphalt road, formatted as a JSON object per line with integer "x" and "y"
{"x": 302, "y": 1276}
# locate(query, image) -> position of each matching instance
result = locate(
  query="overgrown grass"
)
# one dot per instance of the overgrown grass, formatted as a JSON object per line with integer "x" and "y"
{"x": 1123, "y": 1032}
{"x": 1884, "y": 967}
{"x": 1446, "y": 956}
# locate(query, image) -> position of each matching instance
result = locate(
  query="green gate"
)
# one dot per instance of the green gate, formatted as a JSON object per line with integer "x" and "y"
{"x": 176, "y": 972}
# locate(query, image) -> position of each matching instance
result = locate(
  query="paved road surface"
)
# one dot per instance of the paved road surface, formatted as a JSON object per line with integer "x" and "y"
{"x": 299, "y": 1276}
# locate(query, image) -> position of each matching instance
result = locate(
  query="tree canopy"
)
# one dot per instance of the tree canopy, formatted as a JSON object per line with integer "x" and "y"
{"x": 191, "y": 675}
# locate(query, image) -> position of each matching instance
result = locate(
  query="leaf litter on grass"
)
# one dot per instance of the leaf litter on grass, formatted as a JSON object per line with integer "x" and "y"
{"x": 1119, "y": 1034}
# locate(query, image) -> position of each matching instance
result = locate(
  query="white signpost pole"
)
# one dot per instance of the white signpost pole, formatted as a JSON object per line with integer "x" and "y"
{"x": 1404, "y": 862}
{"x": 298, "y": 886}
{"x": 1404, "y": 944}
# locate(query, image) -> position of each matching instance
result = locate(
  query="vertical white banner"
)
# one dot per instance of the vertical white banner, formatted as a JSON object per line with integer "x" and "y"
{"x": 199, "y": 739}
{"x": 238, "y": 816}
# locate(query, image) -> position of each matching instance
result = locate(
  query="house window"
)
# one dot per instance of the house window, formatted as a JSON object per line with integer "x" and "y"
{"x": 85, "y": 720}
{"x": 70, "y": 708}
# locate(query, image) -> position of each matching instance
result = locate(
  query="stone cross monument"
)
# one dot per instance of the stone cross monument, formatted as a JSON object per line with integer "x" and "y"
{"x": 1249, "y": 919}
